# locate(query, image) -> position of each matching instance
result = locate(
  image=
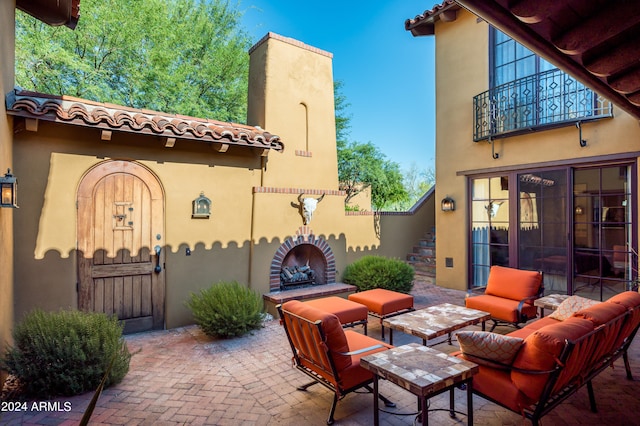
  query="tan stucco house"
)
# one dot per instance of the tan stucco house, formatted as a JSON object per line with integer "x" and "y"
{"x": 129, "y": 211}
{"x": 542, "y": 169}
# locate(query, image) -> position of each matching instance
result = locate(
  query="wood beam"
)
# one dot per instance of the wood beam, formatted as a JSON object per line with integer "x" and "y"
{"x": 31, "y": 124}
{"x": 609, "y": 23}
{"x": 220, "y": 147}
{"x": 105, "y": 135}
{"x": 169, "y": 142}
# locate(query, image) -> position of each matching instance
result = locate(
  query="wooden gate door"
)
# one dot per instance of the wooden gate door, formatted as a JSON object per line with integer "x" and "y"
{"x": 120, "y": 245}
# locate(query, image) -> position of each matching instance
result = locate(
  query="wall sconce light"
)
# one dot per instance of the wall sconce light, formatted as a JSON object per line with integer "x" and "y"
{"x": 201, "y": 207}
{"x": 447, "y": 204}
{"x": 9, "y": 188}
{"x": 579, "y": 210}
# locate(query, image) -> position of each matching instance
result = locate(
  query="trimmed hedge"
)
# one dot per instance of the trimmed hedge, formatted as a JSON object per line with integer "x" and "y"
{"x": 227, "y": 309}
{"x": 66, "y": 353}
{"x": 371, "y": 272}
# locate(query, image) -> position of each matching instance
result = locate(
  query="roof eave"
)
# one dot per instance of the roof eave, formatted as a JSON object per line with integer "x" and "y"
{"x": 500, "y": 18}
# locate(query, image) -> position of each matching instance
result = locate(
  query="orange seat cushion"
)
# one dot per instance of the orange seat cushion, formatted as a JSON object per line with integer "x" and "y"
{"x": 354, "y": 374}
{"x": 383, "y": 302}
{"x": 499, "y": 307}
{"x": 511, "y": 283}
{"x": 346, "y": 310}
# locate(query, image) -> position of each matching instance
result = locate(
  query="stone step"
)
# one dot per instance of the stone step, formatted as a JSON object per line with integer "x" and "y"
{"x": 427, "y": 259}
{"x": 424, "y": 251}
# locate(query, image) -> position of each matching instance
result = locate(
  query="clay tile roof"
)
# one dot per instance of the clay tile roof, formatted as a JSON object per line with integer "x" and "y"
{"x": 82, "y": 112}
{"x": 423, "y": 24}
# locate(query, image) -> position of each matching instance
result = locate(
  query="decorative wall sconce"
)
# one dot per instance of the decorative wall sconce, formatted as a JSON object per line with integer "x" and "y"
{"x": 447, "y": 204}
{"x": 201, "y": 207}
{"x": 579, "y": 210}
{"x": 9, "y": 188}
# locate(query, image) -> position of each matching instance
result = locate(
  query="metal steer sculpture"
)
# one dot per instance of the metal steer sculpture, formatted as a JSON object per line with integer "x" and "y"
{"x": 306, "y": 207}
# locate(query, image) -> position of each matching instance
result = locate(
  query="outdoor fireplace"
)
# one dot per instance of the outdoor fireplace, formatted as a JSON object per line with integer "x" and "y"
{"x": 304, "y": 260}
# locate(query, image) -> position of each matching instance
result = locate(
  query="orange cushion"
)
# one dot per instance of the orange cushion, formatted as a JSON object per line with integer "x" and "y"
{"x": 499, "y": 307}
{"x": 511, "y": 283}
{"x": 601, "y": 313}
{"x": 628, "y": 299}
{"x": 383, "y": 302}
{"x": 354, "y": 374}
{"x": 334, "y": 334}
{"x": 346, "y": 310}
{"x": 540, "y": 351}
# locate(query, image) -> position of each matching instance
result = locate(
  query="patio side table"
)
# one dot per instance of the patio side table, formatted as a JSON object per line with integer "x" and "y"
{"x": 423, "y": 371}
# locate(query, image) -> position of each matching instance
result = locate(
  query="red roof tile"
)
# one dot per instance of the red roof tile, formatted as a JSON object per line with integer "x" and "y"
{"x": 82, "y": 112}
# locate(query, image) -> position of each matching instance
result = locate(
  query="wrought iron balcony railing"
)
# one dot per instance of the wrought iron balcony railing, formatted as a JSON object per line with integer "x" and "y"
{"x": 548, "y": 99}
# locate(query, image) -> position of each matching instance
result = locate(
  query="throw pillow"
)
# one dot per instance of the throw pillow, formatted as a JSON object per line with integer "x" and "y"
{"x": 486, "y": 348}
{"x": 571, "y": 305}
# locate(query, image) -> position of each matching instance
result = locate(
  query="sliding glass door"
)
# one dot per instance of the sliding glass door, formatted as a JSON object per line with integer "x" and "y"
{"x": 574, "y": 224}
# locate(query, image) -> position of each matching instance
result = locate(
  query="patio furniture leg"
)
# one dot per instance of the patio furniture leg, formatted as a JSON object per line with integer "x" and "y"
{"x": 592, "y": 398}
{"x": 376, "y": 413}
{"x": 452, "y": 412}
{"x": 627, "y": 367}
{"x": 333, "y": 409}
{"x": 387, "y": 402}
{"x": 470, "y": 402}
{"x": 307, "y": 386}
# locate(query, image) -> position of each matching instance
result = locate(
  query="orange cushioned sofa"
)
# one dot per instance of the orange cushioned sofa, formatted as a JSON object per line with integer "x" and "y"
{"x": 554, "y": 356}
{"x": 508, "y": 295}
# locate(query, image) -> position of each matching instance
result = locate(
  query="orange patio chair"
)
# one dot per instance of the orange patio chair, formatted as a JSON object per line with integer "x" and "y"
{"x": 327, "y": 353}
{"x": 508, "y": 295}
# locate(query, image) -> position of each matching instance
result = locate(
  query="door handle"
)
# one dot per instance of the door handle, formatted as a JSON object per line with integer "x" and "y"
{"x": 158, "y": 268}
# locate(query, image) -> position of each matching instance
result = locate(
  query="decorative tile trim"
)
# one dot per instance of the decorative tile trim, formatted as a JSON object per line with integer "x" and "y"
{"x": 302, "y": 153}
{"x": 274, "y": 190}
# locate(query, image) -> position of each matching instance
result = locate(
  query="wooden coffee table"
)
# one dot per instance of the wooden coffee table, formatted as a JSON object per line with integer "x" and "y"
{"x": 434, "y": 321}
{"x": 423, "y": 371}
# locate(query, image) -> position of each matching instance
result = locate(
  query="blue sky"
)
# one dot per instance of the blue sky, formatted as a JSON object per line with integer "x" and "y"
{"x": 388, "y": 76}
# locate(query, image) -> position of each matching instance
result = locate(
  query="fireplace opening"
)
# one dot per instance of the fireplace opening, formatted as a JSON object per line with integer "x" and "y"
{"x": 304, "y": 265}
{"x": 303, "y": 253}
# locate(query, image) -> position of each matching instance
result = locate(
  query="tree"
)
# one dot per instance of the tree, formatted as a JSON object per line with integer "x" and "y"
{"x": 177, "y": 56}
{"x": 343, "y": 120}
{"x": 362, "y": 166}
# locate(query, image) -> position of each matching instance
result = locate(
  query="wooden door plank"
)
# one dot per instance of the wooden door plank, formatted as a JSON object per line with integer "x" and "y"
{"x": 115, "y": 270}
{"x": 136, "y": 296}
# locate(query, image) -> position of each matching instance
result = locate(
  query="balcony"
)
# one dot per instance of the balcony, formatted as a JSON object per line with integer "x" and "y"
{"x": 540, "y": 101}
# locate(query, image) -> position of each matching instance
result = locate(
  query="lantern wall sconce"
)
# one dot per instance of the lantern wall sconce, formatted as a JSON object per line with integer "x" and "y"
{"x": 9, "y": 188}
{"x": 447, "y": 204}
{"x": 201, "y": 207}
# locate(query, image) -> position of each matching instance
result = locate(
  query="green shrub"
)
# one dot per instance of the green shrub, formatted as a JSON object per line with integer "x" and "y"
{"x": 379, "y": 272}
{"x": 66, "y": 353}
{"x": 227, "y": 309}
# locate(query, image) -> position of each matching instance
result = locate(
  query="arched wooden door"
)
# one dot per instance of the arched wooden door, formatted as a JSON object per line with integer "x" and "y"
{"x": 121, "y": 243}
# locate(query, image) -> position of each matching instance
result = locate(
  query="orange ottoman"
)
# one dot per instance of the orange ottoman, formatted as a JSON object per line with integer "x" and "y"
{"x": 383, "y": 303}
{"x": 349, "y": 313}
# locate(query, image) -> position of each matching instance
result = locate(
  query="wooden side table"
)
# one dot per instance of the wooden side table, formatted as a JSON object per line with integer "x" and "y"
{"x": 423, "y": 371}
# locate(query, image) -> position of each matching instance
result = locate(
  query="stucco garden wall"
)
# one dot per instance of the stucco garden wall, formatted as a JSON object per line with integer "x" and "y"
{"x": 251, "y": 195}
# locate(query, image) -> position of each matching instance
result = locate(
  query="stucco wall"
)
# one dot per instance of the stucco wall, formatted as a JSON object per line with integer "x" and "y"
{"x": 462, "y": 66}
{"x": 251, "y": 195}
{"x": 7, "y": 23}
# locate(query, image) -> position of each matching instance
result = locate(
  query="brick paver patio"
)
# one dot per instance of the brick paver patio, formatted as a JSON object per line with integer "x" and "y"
{"x": 181, "y": 376}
